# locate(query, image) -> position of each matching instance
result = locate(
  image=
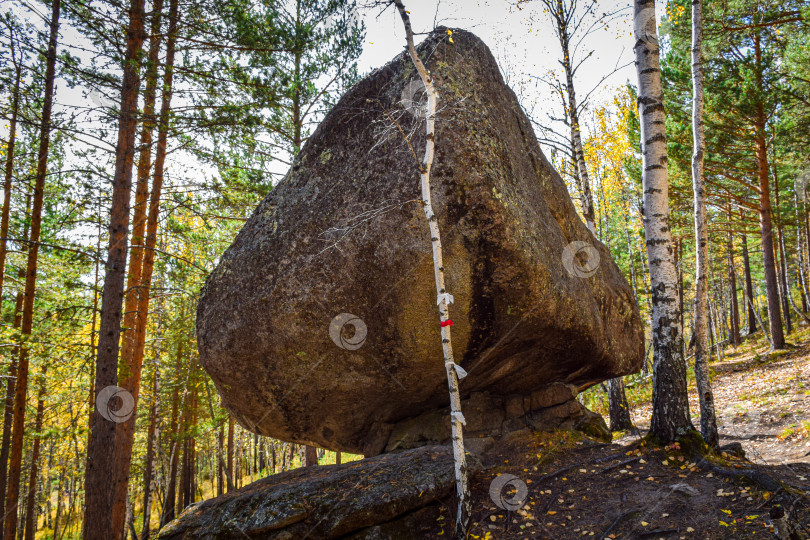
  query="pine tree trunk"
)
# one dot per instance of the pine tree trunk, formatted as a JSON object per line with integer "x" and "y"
{"x": 143, "y": 257}
{"x": 57, "y": 520}
{"x": 127, "y": 378}
{"x": 765, "y": 225}
{"x": 670, "y": 415}
{"x": 734, "y": 305}
{"x": 311, "y": 459}
{"x": 27, "y": 322}
{"x": 31, "y": 504}
{"x": 780, "y": 245}
{"x": 620, "y": 419}
{"x": 800, "y": 251}
{"x": 150, "y": 454}
{"x": 230, "y": 455}
{"x": 9, "y": 176}
{"x": 101, "y": 475}
{"x": 174, "y": 443}
{"x": 749, "y": 287}
{"x": 220, "y": 460}
{"x": 8, "y": 415}
{"x": 708, "y": 416}
{"x": 168, "y": 502}
{"x": 8, "y": 404}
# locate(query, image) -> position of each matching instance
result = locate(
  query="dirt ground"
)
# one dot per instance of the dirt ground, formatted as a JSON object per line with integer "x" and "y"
{"x": 576, "y": 487}
{"x": 762, "y": 400}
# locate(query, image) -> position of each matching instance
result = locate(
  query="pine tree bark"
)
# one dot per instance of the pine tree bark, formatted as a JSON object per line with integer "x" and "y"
{"x": 749, "y": 287}
{"x": 167, "y": 513}
{"x": 11, "y": 387}
{"x": 27, "y": 321}
{"x": 150, "y": 454}
{"x": 220, "y": 460}
{"x": 670, "y": 416}
{"x": 8, "y": 415}
{"x": 311, "y": 457}
{"x": 101, "y": 472}
{"x": 464, "y": 508}
{"x": 229, "y": 476}
{"x": 734, "y": 304}
{"x": 708, "y": 416}
{"x": 619, "y": 409}
{"x": 9, "y": 176}
{"x": 800, "y": 251}
{"x": 33, "y": 479}
{"x": 765, "y": 225}
{"x": 143, "y": 253}
{"x": 780, "y": 246}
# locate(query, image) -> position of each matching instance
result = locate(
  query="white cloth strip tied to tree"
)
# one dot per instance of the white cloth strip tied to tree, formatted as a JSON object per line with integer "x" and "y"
{"x": 444, "y": 299}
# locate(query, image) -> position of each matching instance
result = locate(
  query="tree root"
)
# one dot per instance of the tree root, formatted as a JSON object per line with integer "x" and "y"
{"x": 759, "y": 478}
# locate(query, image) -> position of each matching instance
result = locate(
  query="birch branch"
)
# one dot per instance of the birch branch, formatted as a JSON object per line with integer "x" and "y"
{"x": 443, "y": 297}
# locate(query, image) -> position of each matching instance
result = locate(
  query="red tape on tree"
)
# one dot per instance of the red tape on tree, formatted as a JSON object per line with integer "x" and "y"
{"x": 448, "y": 322}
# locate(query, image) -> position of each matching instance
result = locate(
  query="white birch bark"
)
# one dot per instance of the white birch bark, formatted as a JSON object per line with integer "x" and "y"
{"x": 708, "y": 417}
{"x": 561, "y": 18}
{"x": 464, "y": 509}
{"x": 670, "y": 417}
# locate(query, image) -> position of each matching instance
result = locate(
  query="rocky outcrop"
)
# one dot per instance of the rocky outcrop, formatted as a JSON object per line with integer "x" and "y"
{"x": 319, "y": 325}
{"x": 371, "y": 498}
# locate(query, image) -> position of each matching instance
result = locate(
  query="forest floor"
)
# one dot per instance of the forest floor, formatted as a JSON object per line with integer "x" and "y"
{"x": 629, "y": 489}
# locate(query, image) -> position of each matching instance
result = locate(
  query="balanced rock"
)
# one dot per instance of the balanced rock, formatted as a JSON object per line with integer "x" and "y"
{"x": 320, "y": 323}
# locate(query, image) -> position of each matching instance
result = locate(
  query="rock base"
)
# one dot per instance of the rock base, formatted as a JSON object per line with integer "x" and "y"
{"x": 489, "y": 418}
{"x": 370, "y": 498}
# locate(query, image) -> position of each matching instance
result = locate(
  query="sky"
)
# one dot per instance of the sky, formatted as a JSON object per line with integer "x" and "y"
{"x": 522, "y": 41}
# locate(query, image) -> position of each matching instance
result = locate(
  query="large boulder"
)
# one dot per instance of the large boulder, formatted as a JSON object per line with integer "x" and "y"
{"x": 332, "y": 501}
{"x": 320, "y": 325}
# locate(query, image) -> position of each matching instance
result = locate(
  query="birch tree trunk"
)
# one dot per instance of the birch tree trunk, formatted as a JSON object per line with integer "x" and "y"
{"x": 561, "y": 12}
{"x": 670, "y": 415}
{"x": 27, "y": 323}
{"x": 464, "y": 509}
{"x": 708, "y": 417}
